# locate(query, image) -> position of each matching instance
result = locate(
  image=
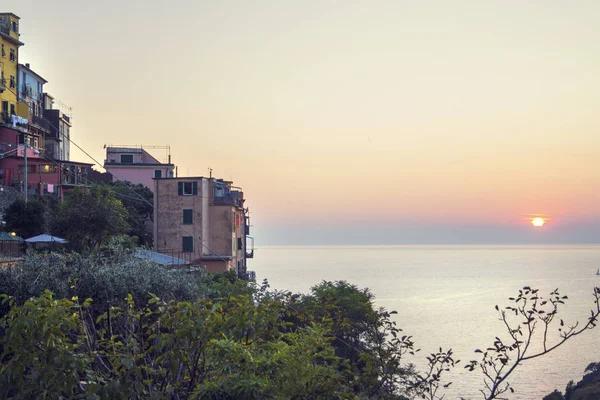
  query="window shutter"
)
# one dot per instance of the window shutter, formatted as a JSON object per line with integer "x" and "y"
{"x": 180, "y": 188}
{"x": 195, "y": 188}
{"x": 188, "y": 217}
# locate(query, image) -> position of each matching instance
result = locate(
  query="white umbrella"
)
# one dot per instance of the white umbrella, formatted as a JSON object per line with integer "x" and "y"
{"x": 45, "y": 238}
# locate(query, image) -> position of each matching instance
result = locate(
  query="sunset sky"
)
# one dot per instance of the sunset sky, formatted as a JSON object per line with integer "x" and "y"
{"x": 347, "y": 121}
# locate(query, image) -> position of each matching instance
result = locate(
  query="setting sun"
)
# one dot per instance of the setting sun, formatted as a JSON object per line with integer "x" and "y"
{"x": 538, "y": 222}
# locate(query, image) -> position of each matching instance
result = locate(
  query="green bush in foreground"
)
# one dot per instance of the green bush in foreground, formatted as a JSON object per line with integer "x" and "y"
{"x": 108, "y": 279}
{"x": 217, "y": 337}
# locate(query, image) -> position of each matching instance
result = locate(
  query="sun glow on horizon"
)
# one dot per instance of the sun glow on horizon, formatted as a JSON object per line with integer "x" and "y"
{"x": 538, "y": 222}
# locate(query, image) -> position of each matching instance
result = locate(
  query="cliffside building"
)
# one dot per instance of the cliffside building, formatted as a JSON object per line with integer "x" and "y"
{"x": 202, "y": 221}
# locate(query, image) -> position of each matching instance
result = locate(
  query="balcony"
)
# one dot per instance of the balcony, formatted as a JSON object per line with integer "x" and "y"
{"x": 40, "y": 123}
{"x": 249, "y": 247}
{"x": 14, "y": 121}
{"x": 227, "y": 199}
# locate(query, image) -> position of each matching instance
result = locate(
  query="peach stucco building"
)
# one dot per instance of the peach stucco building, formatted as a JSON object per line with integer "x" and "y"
{"x": 202, "y": 221}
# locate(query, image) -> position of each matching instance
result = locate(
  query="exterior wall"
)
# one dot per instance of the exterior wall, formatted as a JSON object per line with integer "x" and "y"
{"x": 148, "y": 159}
{"x": 221, "y": 235}
{"x": 52, "y": 148}
{"x": 41, "y": 173}
{"x": 218, "y": 229}
{"x": 65, "y": 139}
{"x": 141, "y": 170}
{"x": 169, "y": 229}
{"x": 58, "y": 142}
{"x": 216, "y": 266}
{"x": 9, "y": 40}
{"x": 31, "y": 88}
{"x": 140, "y": 156}
{"x": 139, "y": 174}
{"x": 9, "y": 138}
{"x": 113, "y": 156}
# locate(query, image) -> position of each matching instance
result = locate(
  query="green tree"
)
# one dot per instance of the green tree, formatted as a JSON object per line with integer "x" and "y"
{"x": 88, "y": 217}
{"x": 138, "y": 200}
{"x": 26, "y": 219}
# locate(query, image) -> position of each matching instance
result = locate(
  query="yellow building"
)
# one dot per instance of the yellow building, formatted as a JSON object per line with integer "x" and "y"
{"x": 9, "y": 61}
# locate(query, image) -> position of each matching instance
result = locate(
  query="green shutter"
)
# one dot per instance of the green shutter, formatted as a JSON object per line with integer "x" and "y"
{"x": 188, "y": 244}
{"x": 180, "y": 188}
{"x": 195, "y": 188}
{"x": 188, "y": 217}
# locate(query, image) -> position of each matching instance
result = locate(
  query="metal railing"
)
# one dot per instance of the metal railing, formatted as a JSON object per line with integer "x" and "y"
{"x": 40, "y": 122}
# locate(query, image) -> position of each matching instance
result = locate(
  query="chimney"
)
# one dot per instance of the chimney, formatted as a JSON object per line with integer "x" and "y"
{"x": 27, "y": 65}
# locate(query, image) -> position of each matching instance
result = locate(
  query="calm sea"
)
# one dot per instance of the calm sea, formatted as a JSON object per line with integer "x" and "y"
{"x": 445, "y": 296}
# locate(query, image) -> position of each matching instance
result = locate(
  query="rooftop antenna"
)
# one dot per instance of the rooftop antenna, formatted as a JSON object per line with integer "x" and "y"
{"x": 210, "y": 172}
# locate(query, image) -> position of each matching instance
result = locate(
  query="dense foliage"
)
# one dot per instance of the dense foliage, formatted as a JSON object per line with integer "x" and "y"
{"x": 88, "y": 217}
{"x": 26, "y": 219}
{"x": 111, "y": 326}
{"x": 108, "y": 278}
{"x": 138, "y": 201}
{"x": 586, "y": 389}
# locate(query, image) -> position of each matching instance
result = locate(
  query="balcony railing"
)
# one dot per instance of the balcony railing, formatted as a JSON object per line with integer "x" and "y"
{"x": 249, "y": 247}
{"x": 7, "y": 120}
{"x": 228, "y": 199}
{"x": 40, "y": 122}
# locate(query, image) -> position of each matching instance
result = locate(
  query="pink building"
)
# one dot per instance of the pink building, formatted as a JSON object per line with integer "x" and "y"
{"x": 44, "y": 175}
{"x": 136, "y": 165}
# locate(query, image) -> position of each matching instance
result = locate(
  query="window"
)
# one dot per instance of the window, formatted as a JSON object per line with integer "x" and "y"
{"x": 125, "y": 158}
{"x": 48, "y": 169}
{"x": 188, "y": 244}
{"x": 14, "y": 27}
{"x": 13, "y": 55}
{"x": 187, "y": 188}
{"x": 158, "y": 173}
{"x": 3, "y": 51}
{"x": 13, "y": 81}
{"x": 188, "y": 217}
{"x": 31, "y": 169}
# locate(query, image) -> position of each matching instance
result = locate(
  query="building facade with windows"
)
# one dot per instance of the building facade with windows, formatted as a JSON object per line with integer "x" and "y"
{"x": 136, "y": 165}
{"x": 31, "y": 92}
{"x": 31, "y": 125}
{"x": 202, "y": 221}
{"x": 9, "y": 60}
{"x": 58, "y": 141}
{"x": 44, "y": 174}
{"x": 12, "y": 112}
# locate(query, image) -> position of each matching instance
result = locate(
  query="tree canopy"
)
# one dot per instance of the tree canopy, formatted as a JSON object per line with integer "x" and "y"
{"x": 89, "y": 216}
{"x": 27, "y": 219}
{"x": 138, "y": 200}
{"x": 114, "y": 326}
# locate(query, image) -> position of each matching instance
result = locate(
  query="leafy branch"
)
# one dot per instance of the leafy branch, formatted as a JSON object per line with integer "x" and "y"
{"x": 530, "y": 317}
